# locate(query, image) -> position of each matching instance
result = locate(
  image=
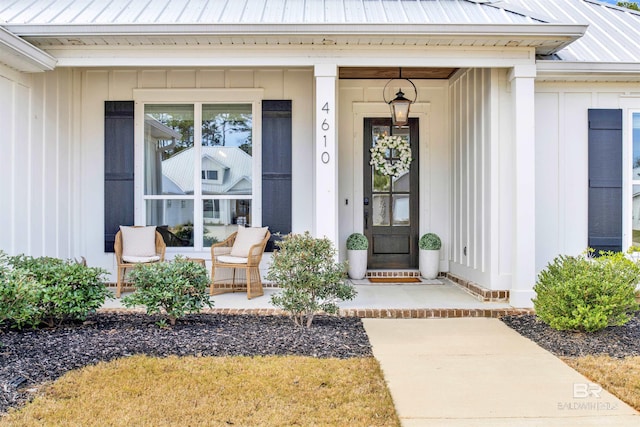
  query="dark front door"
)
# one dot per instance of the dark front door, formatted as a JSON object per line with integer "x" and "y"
{"x": 391, "y": 202}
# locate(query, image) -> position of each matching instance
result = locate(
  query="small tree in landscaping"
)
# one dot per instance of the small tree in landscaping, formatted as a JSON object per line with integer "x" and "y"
{"x": 175, "y": 288}
{"x": 312, "y": 281}
{"x": 587, "y": 294}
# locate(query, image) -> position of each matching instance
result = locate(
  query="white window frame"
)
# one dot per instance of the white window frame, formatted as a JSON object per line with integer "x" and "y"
{"x": 628, "y": 181}
{"x": 197, "y": 97}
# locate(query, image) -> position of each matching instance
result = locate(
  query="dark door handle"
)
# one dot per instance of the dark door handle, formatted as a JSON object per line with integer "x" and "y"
{"x": 366, "y": 219}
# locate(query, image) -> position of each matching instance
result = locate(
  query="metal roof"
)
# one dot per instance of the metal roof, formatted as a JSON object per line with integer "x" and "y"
{"x": 554, "y": 28}
{"x": 98, "y": 12}
{"x": 179, "y": 170}
{"x": 612, "y": 35}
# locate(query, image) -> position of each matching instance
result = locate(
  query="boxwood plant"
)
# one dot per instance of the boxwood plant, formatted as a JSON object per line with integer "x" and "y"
{"x": 430, "y": 241}
{"x": 48, "y": 290}
{"x": 583, "y": 293}
{"x": 357, "y": 242}
{"x": 173, "y": 288}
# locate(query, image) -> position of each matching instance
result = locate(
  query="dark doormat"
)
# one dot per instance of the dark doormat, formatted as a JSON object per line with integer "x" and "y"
{"x": 394, "y": 280}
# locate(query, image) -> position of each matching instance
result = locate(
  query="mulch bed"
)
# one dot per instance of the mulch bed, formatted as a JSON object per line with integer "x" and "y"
{"x": 615, "y": 341}
{"x": 31, "y": 357}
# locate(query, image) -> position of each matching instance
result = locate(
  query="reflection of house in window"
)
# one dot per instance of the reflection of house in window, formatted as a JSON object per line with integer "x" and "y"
{"x": 159, "y": 139}
{"x": 210, "y": 175}
{"x": 232, "y": 167}
{"x": 211, "y": 209}
{"x": 225, "y": 171}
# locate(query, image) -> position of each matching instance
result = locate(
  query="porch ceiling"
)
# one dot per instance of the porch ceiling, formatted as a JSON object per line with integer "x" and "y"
{"x": 395, "y": 73}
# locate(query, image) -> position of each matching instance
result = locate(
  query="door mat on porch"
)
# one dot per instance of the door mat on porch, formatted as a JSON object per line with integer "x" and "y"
{"x": 394, "y": 279}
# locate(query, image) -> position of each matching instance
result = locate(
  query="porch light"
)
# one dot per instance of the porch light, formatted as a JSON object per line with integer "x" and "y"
{"x": 400, "y": 105}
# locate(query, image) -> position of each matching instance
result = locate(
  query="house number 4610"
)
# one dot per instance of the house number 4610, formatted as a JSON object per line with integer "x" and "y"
{"x": 324, "y": 126}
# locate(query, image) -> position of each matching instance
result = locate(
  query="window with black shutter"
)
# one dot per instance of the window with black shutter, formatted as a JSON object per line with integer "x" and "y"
{"x": 605, "y": 179}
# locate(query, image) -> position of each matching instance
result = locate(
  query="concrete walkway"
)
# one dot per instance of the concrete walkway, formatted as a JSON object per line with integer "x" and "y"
{"x": 479, "y": 372}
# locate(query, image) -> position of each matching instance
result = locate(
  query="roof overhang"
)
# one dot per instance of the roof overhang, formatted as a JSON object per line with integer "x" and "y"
{"x": 587, "y": 71}
{"x": 546, "y": 38}
{"x": 22, "y": 55}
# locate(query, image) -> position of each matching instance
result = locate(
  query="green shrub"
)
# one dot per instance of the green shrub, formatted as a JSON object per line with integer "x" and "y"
{"x": 20, "y": 295}
{"x": 49, "y": 290}
{"x": 357, "y": 242}
{"x": 587, "y": 294}
{"x": 175, "y": 288}
{"x": 429, "y": 241}
{"x": 310, "y": 278}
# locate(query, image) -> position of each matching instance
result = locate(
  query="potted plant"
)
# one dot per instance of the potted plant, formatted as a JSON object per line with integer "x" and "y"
{"x": 429, "y": 245}
{"x": 357, "y": 248}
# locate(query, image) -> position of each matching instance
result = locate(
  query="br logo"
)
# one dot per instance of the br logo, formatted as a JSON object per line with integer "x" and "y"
{"x": 585, "y": 390}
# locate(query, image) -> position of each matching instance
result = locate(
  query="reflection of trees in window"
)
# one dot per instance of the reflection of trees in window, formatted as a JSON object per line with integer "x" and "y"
{"x": 218, "y": 130}
{"x": 183, "y": 126}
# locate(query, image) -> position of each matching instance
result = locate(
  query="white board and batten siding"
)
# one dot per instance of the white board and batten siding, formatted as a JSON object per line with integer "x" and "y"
{"x": 481, "y": 177}
{"x": 562, "y": 161}
{"x": 38, "y": 176}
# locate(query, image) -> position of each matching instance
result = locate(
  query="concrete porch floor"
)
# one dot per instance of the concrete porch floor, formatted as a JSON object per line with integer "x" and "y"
{"x": 440, "y": 294}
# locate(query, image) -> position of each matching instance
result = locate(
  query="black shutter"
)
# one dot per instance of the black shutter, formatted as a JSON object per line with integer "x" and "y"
{"x": 276, "y": 168}
{"x": 605, "y": 180}
{"x": 118, "y": 168}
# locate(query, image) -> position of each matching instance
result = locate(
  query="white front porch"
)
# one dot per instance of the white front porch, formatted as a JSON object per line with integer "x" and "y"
{"x": 437, "y": 298}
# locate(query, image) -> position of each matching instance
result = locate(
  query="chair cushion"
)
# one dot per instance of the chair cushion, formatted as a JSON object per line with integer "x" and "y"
{"x": 246, "y": 238}
{"x": 140, "y": 259}
{"x": 232, "y": 259}
{"x": 138, "y": 241}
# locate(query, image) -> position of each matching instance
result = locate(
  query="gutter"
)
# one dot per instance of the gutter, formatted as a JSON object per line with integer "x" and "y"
{"x": 22, "y": 55}
{"x": 570, "y": 31}
{"x": 575, "y": 67}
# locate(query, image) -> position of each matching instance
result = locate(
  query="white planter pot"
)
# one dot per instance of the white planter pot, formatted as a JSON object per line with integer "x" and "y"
{"x": 357, "y": 263}
{"x": 429, "y": 263}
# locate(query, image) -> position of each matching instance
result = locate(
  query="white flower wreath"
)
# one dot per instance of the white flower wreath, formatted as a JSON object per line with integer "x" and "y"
{"x": 385, "y": 166}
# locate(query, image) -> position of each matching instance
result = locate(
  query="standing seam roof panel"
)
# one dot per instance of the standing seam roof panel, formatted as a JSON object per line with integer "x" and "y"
{"x": 614, "y": 24}
{"x": 292, "y": 8}
{"x": 334, "y": 11}
{"x": 79, "y": 12}
{"x": 354, "y": 11}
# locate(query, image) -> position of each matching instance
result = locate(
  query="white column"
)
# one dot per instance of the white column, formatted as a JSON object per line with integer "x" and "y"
{"x": 326, "y": 161}
{"x": 522, "y": 80}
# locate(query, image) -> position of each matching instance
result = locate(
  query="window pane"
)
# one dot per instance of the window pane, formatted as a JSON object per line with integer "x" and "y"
{"x": 636, "y": 146}
{"x": 227, "y": 149}
{"x": 380, "y": 181}
{"x": 168, "y": 146}
{"x": 635, "y": 217}
{"x": 380, "y": 210}
{"x": 379, "y": 132}
{"x": 221, "y": 218}
{"x": 401, "y": 209}
{"x": 402, "y": 183}
{"x": 174, "y": 219}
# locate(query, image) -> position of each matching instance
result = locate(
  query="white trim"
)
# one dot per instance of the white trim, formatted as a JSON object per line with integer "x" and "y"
{"x": 22, "y": 55}
{"x": 561, "y": 34}
{"x": 225, "y": 55}
{"x": 630, "y": 106}
{"x": 208, "y": 96}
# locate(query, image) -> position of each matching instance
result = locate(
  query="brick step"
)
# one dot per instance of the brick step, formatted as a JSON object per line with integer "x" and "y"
{"x": 393, "y": 273}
